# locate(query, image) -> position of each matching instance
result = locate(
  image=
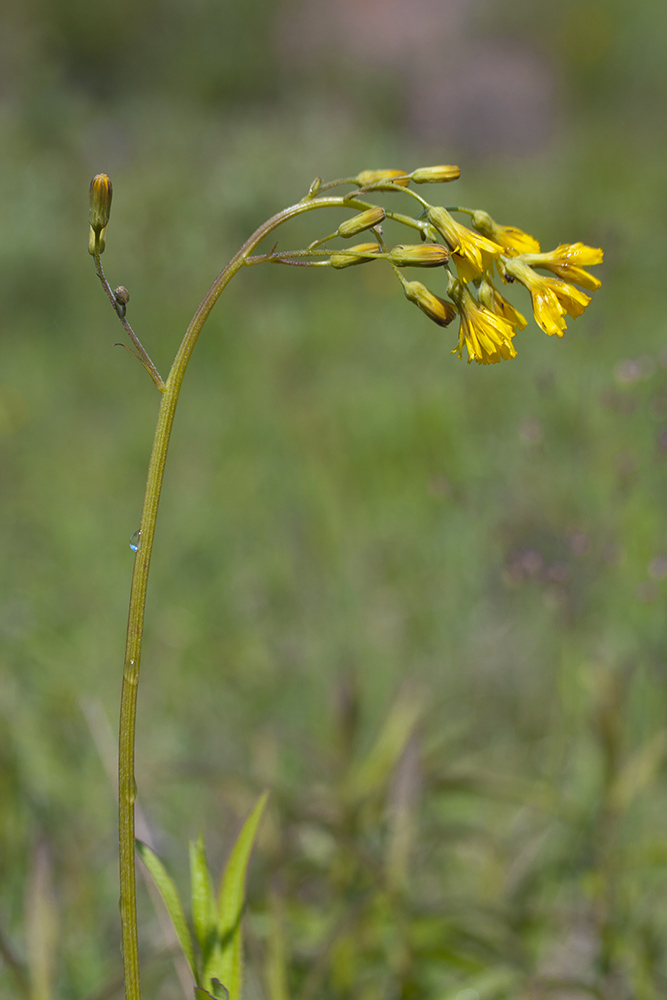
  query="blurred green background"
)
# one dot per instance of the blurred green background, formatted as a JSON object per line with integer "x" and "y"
{"x": 360, "y": 533}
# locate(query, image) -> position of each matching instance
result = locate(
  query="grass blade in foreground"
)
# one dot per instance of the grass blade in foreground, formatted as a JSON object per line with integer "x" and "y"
{"x": 169, "y": 892}
{"x": 226, "y": 960}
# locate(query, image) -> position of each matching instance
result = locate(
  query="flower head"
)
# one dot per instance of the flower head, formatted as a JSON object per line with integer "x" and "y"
{"x": 100, "y": 207}
{"x": 487, "y": 336}
{"x": 419, "y": 255}
{"x": 435, "y": 175}
{"x": 473, "y": 254}
{"x": 568, "y": 261}
{"x": 358, "y": 223}
{"x": 366, "y": 178}
{"x": 511, "y": 239}
{"x": 439, "y": 310}
{"x": 552, "y": 298}
{"x": 358, "y": 254}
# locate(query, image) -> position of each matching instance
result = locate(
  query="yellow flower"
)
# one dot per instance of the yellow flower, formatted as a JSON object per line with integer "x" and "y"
{"x": 487, "y": 336}
{"x": 472, "y": 254}
{"x": 511, "y": 239}
{"x": 552, "y": 298}
{"x": 490, "y": 297}
{"x": 568, "y": 261}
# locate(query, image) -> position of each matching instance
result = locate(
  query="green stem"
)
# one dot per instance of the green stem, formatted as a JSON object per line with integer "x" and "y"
{"x": 135, "y": 626}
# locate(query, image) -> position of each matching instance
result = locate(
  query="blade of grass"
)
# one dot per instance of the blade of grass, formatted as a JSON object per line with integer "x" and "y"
{"x": 225, "y": 962}
{"x": 203, "y": 900}
{"x": 171, "y": 899}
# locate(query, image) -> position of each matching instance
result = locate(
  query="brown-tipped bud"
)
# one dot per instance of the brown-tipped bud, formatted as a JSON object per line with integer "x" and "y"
{"x": 419, "y": 255}
{"x": 365, "y": 220}
{"x": 100, "y": 208}
{"x": 437, "y": 309}
{"x": 355, "y": 255}
{"x": 368, "y": 177}
{"x": 435, "y": 175}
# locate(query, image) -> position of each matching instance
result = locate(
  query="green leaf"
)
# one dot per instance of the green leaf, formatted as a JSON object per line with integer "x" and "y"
{"x": 370, "y": 776}
{"x": 225, "y": 962}
{"x": 167, "y": 889}
{"x": 203, "y": 902}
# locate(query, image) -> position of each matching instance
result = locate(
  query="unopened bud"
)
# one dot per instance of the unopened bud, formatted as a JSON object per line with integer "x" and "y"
{"x": 365, "y": 220}
{"x": 435, "y": 175}
{"x": 419, "y": 255}
{"x": 314, "y": 187}
{"x": 355, "y": 255}
{"x": 437, "y": 309}
{"x": 122, "y": 297}
{"x": 100, "y": 208}
{"x": 368, "y": 177}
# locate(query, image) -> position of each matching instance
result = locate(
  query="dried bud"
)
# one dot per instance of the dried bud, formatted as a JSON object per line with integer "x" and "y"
{"x": 355, "y": 255}
{"x": 100, "y": 207}
{"x": 122, "y": 297}
{"x": 368, "y": 177}
{"x": 419, "y": 255}
{"x": 437, "y": 309}
{"x": 357, "y": 224}
{"x": 435, "y": 175}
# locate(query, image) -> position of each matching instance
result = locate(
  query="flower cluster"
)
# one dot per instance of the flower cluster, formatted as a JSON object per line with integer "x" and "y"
{"x": 488, "y": 321}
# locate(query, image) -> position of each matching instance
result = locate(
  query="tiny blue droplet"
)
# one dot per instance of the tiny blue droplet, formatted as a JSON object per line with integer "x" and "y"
{"x": 135, "y": 539}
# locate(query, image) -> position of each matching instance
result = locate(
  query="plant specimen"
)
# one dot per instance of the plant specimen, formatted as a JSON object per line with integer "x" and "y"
{"x": 465, "y": 263}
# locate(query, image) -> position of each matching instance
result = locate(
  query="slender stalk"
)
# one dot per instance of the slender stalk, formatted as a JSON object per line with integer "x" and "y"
{"x": 170, "y": 391}
{"x": 141, "y": 351}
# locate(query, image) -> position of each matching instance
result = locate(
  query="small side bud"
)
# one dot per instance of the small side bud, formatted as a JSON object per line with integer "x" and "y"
{"x": 437, "y": 309}
{"x": 368, "y": 177}
{"x": 100, "y": 208}
{"x": 314, "y": 187}
{"x": 355, "y": 255}
{"x": 365, "y": 220}
{"x": 435, "y": 175}
{"x": 419, "y": 255}
{"x": 122, "y": 297}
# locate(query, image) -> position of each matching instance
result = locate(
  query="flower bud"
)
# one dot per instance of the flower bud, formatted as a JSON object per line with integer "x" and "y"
{"x": 365, "y": 220}
{"x": 100, "y": 207}
{"x": 419, "y": 255}
{"x": 437, "y": 309}
{"x": 368, "y": 177}
{"x": 122, "y": 297}
{"x": 314, "y": 187}
{"x": 355, "y": 255}
{"x": 435, "y": 175}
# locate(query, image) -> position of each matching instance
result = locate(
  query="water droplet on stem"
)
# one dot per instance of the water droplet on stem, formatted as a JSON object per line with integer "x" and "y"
{"x": 135, "y": 538}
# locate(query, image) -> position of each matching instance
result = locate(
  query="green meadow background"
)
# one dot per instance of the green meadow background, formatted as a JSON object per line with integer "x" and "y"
{"x": 422, "y": 601}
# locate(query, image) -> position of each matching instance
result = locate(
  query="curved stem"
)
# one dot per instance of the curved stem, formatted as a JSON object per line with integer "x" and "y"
{"x": 135, "y": 625}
